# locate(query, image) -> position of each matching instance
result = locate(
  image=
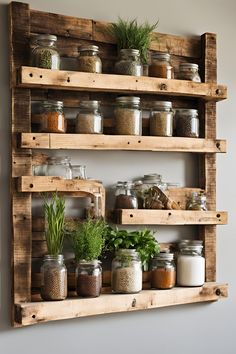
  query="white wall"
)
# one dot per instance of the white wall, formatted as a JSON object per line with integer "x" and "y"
{"x": 185, "y": 329}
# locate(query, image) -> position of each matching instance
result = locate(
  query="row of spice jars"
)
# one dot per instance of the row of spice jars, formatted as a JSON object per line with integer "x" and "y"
{"x": 45, "y": 55}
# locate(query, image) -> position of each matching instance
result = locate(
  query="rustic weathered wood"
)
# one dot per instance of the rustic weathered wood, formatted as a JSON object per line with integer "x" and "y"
{"x": 72, "y": 80}
{"x": 169, "y": 217}
{"x": 36, "y": 312}
{"x": 116, "y": 142}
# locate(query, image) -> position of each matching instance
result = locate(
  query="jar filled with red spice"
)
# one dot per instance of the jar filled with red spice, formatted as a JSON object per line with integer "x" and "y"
{"x": 163, "y": 271}
{"x": 52, "y": 117}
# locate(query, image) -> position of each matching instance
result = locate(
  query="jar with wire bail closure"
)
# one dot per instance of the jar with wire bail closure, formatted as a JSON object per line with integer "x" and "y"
{"x": 89, "y": 119}
{"x": 129, "y": 63}
{"x": 160, "y": 66}
{"x": 45, "y": 54}
{"x": 161, "y": 119}
{"x": 163, "y": 271}
{"x": 88, "y": 60}
{"x": 128, "y": 116}
{"x": 189, "y": 71}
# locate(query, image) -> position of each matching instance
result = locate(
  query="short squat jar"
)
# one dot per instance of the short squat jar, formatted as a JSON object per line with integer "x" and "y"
{"x": 128, "y": 116}
{"x": 125, "y": 196}
{"x": 161, "y": 66}
{"x": 161, "y": 119}
{"x": 53, "y": 278}
{"x": 89, "y": 278}
{"x": 126, "y": 272}
{"x": 189, "y": 71}
{"x": 163, "y": 272}
{"x": 187, "y": 123}
{"x": 59, "y": 166}
{"x": 88, "y": 60}
{"x": 52, "y": 117}
{"x": 197, "y": 201}
{"x": 190, "y": 264}
{"x": 129, "y": 63}
{"x": 45, "y": 54}
{"x": 89, "y": 120}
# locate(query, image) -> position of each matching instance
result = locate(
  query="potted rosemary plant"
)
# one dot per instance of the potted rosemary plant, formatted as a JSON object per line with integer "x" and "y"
{"x": 53, "y": 270}
{"x": 133, "y": 42}
{"x": 88, "y": 240}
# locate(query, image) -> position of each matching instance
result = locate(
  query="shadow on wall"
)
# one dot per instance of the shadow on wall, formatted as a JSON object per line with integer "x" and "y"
{"x": 5, "y": 277}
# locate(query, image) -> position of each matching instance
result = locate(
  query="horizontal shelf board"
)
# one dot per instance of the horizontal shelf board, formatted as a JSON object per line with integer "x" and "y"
{"x": 51, "y": 184}
{"x": 37, "y": 312}
{"x": 72, "y": 80}
{"x": 120, "y": 142}
{"x": 169, "y": 217}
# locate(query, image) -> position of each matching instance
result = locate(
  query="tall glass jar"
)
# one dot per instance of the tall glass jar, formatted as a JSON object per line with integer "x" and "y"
{"x": 189, "y": 71}
{"x": 129, "y": 63}
{"x": 128, "y": 116}
{"x": 53, "y": 278}
{"x": 161, "y": 66}
{"x": 126, "y": 272}
{"x": 45, "y": 54}
{"x": 161, "y": 119}
{"x": 163, "y": 272}
{"x": 89, "y": 278}
{"x": 88, "y": 60}
{"x": 197, "y": 201}
{"x": 125, "y": 196}
{"x": 59, "y": 166}
{"x": 190, "y": 263}
{"x": 89, "y": 120}
{"x": 52, "y": 117}
{"x": 187, "y": 123}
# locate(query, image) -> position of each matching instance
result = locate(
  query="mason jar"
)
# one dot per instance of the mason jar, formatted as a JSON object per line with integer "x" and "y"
{"x": 59, "y": 166}
{"x": 144, "y": 191}
{"x": 128, "y": 116}
{"x": 52, "y": 117}
{"x": 89, "y": 120}
{"x": 189, "y": 71}
{"x": 125, "y": 196}
{"x": 129, "y": 63}
{"x": 45, "y": 54}
{"x": 126, "y": 272}
{"x": 88, "y": 60}
{"x": 197, "y": 201}
{"x": 53, "y": 278}
{"x": 163, "y": 272}
{"x": 161, "y": 119}
{"x": 190, "y": 263}
{"x": 89, "y": 278}
{"x": 160, "y": 66}
{"x": 187, "y": 122}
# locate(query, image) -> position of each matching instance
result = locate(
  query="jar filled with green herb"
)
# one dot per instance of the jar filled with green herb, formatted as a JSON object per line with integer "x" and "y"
{"x": 45, "y": 54}
{"x": 129, "y": 63}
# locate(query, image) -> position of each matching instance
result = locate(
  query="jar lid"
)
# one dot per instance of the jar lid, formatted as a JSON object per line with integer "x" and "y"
{"x": 42, "y": 37}
{"x": 89, "y": 104}
{"x": 188, "y": 66}
{"x": 51, "y": 103}
{"x": 127, "y": 252}
{"x": 128, "y": 99}
{"x": 162, "y": 104}
{"x": 86, "y": 263}
{"x": 84, "y": 48}
{"x": 161, "y": 56}
{"x": 52, "y": 257}
{"x": 186, "y": 111}
{"x": 152, "y": 177}
{"x": 164, "y": 256}
{"x": 130, "y": 51}
{"x": 192, "y": 245}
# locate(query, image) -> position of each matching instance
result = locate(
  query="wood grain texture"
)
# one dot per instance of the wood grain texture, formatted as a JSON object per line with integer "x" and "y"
{"x": 72, "y": 80}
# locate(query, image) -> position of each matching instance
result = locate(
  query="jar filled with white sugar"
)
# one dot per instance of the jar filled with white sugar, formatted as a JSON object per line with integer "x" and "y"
{"x": 190, "y": 263}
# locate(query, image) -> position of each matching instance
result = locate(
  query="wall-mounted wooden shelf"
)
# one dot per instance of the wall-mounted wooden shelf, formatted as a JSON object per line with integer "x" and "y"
{"x": 122, "y": 142}
{"x": 37, "y": 312}
{"x": 72, "y": 80}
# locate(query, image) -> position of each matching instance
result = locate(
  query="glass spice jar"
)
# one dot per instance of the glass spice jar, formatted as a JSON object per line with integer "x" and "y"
{"x": 89, "y": 278}
{"x": 126, "y": 275}
{"x": 45, "y": 54}
{"x": 161, "y": 119}
{"x": 52, "y": 117}
{"x": 187, "y": 123}
{"x": 125, "y": 196}
{"x": 163, "y": 272}
{"x": 190, "y": 263}
{"x": 128, "y": 116}
{"x": 143, "y": 189}
{"x": 53, "y": 278}
{"x": 189, "y": 71}
{"x": 89, "y": 120}
{"x": 160, "y": 66}
{"x": 78, "y": 171}
{"x": 197, "y": 201}
{"x": 129, "y": 63}
{"x": 88, "y": 60}
{"x": 59, "y": 166}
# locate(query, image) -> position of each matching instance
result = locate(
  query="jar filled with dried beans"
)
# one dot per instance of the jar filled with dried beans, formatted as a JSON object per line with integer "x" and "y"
{"x": 187, "y": 123}
{"x": 88, "y": 60}
{"x": 128, "y": 116}
{"x": 45, "y": 54}
{"x": 160, "y": 66}
{"x": 161, "y": 119}
{"x": 189, "y": 71}
{"x": 89, "y": 120}
{"x": 52, "y": 117}
{"x": 163, "y": 272}
{"x": 89, "y": 278}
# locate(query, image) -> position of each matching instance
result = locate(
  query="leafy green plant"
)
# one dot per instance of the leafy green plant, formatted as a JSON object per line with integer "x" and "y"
{"x": 88, "y": 239}
{"x": 131, "y": 35}
{"x": 54, "y": 211}
{"x": 142, "y": 240}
